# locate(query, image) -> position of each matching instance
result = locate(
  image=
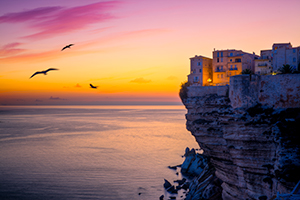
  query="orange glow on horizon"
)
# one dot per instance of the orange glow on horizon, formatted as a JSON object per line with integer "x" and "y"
{"x": 132, "y": 50}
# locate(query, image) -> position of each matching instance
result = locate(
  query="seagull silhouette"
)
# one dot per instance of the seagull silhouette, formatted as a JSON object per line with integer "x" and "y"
{"x": 43, "y": 72}
{"x": 94, "y": 87}
{"x": 68, "y": 46}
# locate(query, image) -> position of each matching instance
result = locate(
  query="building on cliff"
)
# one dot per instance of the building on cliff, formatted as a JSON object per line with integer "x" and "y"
{"x": 284, "y": 53}
{"x": 273, "y": 59}
{"x": 226, "y": 63}
{"x": 263, "y": 65}
{"x": 201, "y": 71}
{"x": 217, "y": 71}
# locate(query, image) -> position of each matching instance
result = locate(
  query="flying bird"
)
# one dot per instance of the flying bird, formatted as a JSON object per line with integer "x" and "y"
{"x": 94, "y": 87}
{"x": 43, "y": 72}
{"x": 68, "y": 46}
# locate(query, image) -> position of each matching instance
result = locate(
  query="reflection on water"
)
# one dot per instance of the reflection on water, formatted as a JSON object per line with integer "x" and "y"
{"x": 90, "y": 152}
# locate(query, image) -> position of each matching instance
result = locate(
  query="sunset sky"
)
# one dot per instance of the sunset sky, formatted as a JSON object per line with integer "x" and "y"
{"x": 136, "y": 51}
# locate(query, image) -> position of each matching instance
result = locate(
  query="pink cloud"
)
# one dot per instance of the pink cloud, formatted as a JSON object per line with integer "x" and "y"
{"x": 52, "y": 21}
{"x": 140, "y": 80}
{"x": 10, "y": 49}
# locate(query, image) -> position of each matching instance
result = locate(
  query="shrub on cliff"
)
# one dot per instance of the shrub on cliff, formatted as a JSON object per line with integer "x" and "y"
{"x": 286, "y": 69}
{"x": 183, "y": 90}
{"x": 247, "y": 71}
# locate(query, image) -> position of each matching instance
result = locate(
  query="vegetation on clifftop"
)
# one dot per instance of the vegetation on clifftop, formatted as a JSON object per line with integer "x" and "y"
{"x": 247, "y": 71}
{"x": 183, "y": 90}
{"x": 286, "y": 69}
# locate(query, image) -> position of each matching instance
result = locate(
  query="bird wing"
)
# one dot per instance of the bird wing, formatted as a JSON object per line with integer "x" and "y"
{"x": 50, "y": 69}
{"x": 68, "y": 46}
{"x": 92, "y": 85}
{"x": 35, "y": 74}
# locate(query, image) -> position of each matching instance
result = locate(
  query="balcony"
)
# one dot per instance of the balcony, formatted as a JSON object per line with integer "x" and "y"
{"x": 220, "y": 70}
{"x": 232, "y": 69}
{"x": 262, "y": 65}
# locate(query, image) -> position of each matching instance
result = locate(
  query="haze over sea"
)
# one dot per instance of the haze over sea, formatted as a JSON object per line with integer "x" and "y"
{"x": 90, "y": 152}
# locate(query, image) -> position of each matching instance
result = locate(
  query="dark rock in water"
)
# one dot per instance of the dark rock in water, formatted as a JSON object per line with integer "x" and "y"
{"x": 185, "y": 186}
{"x": 187, "y": 150}
{"x": 169, "y": 187}
{"x": 140, "y": 193}
{"x": 161, "y": 197}
{"x": 172, "y": 190}
{"x": 167, "y": 184}
{"x": 174, "y": 167}
{"x": 172, "y": 197}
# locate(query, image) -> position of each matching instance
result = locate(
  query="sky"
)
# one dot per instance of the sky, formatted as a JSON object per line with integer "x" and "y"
{"x": 135, "y": 51}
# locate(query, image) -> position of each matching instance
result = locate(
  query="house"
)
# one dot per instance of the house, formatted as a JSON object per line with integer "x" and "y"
{"x": 201, "y": 71}
{"x": 263, "y": 65}
{"x": 231, "y": 62}
{"x": 226, "y": 63}
{"x": 284, "y": 53}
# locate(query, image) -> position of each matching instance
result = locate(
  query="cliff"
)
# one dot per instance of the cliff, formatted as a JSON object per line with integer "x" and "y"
{"x": 250, "y": 131}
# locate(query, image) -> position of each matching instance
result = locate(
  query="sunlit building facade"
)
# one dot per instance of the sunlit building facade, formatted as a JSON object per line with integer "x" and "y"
{"x": 231, "y": 62}
{"x": 201, "y": 71}
{"x": 226, "y": 63}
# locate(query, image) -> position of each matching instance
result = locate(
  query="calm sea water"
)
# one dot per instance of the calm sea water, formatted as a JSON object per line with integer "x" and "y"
{"x": 90, "y": 152}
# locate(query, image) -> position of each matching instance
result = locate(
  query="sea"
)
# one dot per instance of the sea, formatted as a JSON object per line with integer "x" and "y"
{"x": 91, "y": 152}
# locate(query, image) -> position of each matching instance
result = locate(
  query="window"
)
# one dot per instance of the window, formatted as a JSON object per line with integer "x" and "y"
{"x": 217, "y": 59}
{"x": 196, "y": 78}
{"x": 294, "y": 50}
{"x": 235, "y": 67}
{"x": 231, "y": 67}
{"x": 200, "y": 70}
{"x": 218, "y": 68}
{"x": 218, "y": 75}
{"x": 221, "y": 59}
{"x": 231, "y": 54}
{"x": 230, "y": 60}
{"x": 222, "y": 54}
{"x": 294, "y": 59}
{"x": 221, "y": 75}
{"x": 199, "y": 63}
{"x": 221, "y": 67}
{"x": 217, "y": 54}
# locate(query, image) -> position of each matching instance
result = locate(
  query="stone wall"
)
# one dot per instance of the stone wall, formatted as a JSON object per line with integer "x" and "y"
{"x": 250, "y": 131}
{"x": 195, "y": 91}
{"x": 280, "y": 91}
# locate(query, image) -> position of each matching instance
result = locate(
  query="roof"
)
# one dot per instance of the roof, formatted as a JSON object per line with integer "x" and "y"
{"x": 201, "y": 57}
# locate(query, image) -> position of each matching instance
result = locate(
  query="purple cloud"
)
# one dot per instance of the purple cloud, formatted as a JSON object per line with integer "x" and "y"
{"x": 51, "y": 21}
{"x": 11, "y": 49}
{"x": 34, "y": 14}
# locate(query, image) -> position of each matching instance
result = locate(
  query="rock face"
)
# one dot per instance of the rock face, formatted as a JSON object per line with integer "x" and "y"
{"x": 205, "y": 184}
{"x": 251, "y": 131}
